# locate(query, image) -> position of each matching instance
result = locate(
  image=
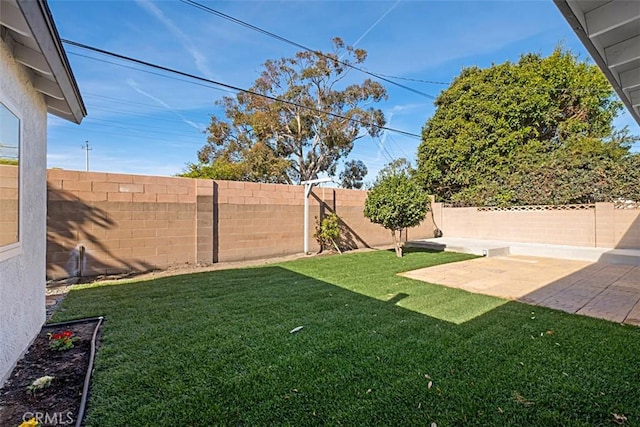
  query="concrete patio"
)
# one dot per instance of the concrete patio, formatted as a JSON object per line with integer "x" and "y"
{"x": 597, "y": 289}
{"x": 489, "y": 248}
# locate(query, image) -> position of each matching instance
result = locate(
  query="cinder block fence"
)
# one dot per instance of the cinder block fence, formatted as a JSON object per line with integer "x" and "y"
{"x": 8, "y": 204}
{"x": 603, "y": 225}
{"x": 103, "y": 223}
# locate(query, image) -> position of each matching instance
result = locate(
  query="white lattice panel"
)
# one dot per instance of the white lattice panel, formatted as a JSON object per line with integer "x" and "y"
{"x": 626, "y": 204}
{"x": 534, "y": 208}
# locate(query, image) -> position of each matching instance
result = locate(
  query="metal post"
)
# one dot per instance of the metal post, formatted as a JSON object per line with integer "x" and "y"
{"x": 307, "y": 192}
{"x": 308, "y": 186}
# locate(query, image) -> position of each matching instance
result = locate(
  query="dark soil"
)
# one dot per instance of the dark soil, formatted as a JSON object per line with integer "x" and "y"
{"x": 58, "y": 404}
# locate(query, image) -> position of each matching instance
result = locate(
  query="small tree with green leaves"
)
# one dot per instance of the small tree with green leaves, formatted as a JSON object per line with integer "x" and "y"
{"x": 328, "y": 231}
{"x": 396, "y": 201}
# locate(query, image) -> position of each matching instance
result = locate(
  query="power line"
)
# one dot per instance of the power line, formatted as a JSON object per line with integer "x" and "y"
{"x": 143, "y": 128}
{"x": 142, "y": 104}
{"x": 228, "y": 86}
{"x": 433, "y": 82}
{"x": 136, "y": 114}
{"x": 147, "y": 116}
{"x": 140, "y": 129}
{"x": 147, "y": 71}
{"x": 384, "y": 150}
{"x": 146, "y": 137}
{"x": 151, "y": 134}
{"x": 293, "y": 43}
{"x": 398, "y": 145}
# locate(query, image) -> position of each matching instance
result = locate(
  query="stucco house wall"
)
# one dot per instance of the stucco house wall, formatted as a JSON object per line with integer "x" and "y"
{"x": 22, "y": 270}
{"x": 35, "y": 79}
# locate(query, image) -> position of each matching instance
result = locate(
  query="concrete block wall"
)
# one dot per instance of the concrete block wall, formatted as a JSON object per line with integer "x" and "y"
{"x": 8, "y": 204}
{"x": 599, "y": 225}
{"x": 258, "y": 220}
{"x": 253, "y": 220}
{"x": 605, "y": 225}
{"x": 206, "y": 217}
{"x": 564, "y": 227}
{"x": 626, "y": 228}
{"x": 102, "y": 223}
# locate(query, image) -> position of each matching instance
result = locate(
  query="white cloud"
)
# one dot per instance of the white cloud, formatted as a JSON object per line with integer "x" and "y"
{"x": 375, "y": 24}
{"x": 406, "y": 108}
{"x": 137, "y": 88}
{"x": 199, "y": 59}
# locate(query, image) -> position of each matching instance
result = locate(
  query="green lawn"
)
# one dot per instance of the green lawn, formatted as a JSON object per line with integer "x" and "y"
{"x": 215, "y": 349}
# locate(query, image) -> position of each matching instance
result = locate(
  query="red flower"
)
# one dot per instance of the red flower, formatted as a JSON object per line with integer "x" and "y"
{"x": 61, "y": 341}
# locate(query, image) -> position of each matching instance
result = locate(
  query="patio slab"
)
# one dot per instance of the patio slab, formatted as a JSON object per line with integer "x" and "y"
{"x": 593, "y": 289}
{"x": 489, "y": 248}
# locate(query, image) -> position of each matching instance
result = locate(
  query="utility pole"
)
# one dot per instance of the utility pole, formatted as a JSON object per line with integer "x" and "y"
{"x": 86, "y": 149}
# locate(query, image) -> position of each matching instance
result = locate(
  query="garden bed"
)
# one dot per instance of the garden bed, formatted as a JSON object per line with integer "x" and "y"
{"x": 60, "y": 403}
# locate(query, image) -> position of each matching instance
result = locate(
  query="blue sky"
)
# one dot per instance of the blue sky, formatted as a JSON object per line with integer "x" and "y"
{"x": 145, "y": 123}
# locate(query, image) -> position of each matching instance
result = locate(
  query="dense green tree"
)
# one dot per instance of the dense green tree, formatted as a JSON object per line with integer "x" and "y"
{"x": 259, "y": 164}
{"x": 219, "y": 169}
{"x": 580, "y": 171}
{"x": 312, "y": 129}
{"x": 395, "y": 167}
{"x": 533, "y": 132}
{"x": 396, "y": 201}
{"x": 352, "y": 176}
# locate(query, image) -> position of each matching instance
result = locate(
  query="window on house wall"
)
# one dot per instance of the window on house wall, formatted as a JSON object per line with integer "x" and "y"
{"x": 9, "y": 178}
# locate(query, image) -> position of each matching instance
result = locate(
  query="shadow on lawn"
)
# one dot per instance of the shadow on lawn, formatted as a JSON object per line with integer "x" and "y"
{"x": 397, "y": 298}
{"x": 359, "y": 359}
{"x": 451, "y": 305}
{"x": 413, "y": 250}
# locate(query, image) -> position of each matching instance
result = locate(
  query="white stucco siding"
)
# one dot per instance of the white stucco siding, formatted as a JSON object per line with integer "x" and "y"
{"x": 22, "y": 271}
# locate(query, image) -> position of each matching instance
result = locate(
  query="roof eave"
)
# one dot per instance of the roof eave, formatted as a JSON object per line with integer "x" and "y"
{"x": 576, "y": 24}
{"x": 43, "y": 30}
